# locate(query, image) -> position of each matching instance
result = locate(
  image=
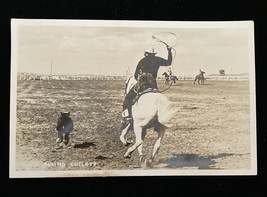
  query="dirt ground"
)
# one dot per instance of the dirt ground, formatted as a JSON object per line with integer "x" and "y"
{"x": 210, "y": 129}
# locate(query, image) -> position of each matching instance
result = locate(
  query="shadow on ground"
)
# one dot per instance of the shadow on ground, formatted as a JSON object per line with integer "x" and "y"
{"x": 192, "y": 160}
{"x": 84, "y": 145}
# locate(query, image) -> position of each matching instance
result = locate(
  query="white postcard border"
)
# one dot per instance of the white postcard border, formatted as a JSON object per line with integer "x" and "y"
{"x": 109, "y": 23}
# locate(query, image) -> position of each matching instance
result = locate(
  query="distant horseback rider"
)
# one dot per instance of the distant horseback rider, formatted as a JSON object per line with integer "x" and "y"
{"x": 201, "y": 73}
{"x": 170, "y": 73}
{"x": 145, "y": 75}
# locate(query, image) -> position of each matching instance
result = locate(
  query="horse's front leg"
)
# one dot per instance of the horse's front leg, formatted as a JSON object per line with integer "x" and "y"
{"x": 122, "y": 136}
{"x": 138, "y": 141}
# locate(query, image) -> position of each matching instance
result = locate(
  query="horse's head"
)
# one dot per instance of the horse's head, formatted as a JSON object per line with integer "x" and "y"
{"x": 165, "y": 74}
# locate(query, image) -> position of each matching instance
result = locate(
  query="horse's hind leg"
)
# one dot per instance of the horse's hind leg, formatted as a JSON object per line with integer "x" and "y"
{"x": 140, "y": 147}
{"x": 138, "y": 141}
{"x": 162, "y": 129}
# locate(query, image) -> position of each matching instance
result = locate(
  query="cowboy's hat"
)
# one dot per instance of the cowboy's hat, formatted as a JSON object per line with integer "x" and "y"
{"x": 150, "y": 51}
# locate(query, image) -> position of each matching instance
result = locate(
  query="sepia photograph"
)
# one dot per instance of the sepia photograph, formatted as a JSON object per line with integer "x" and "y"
{"x": 112, "y": 98}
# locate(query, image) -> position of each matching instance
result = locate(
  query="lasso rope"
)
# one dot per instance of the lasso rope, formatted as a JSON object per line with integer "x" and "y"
{"x": 172, "y": 64}
{"x": 161, "y": 33}
{"x": 160, "y": 91}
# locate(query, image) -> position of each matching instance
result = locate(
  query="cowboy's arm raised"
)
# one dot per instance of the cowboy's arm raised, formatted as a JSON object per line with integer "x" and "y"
{"x": 164, "y": 62}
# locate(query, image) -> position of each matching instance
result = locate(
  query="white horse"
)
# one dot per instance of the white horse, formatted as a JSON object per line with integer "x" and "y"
{"x": 151, "y": 110}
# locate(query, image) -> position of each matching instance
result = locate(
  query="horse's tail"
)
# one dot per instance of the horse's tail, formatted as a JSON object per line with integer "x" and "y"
{"x": 165, "y": 112}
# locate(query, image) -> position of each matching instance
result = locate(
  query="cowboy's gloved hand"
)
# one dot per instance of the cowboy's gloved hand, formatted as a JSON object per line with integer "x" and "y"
{"x": 169, "y": 47}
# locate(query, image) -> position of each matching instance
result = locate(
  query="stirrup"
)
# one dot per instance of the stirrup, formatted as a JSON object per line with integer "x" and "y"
{"x": 125, "y": 122}
{"x": 128, "y": 118}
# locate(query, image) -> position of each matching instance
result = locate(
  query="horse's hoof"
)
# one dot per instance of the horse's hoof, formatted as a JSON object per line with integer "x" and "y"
{"x": 142, "y": 159}
{"x": 127, "y": 144}
{"x": 148, "y": 163}
{"x": 127, "y": 156}
{"x": 129, "y": 141}
{"x": 143, "y": 165}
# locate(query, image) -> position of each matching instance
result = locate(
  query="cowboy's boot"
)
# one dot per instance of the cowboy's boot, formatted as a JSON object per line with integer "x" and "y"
{"x": 126, "y": 119}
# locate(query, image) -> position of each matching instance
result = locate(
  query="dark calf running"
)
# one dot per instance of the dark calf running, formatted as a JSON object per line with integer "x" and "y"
{"x": 64, "y": 127}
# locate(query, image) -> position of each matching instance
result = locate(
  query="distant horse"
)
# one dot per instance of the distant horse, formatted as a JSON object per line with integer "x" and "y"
{"x": 200, "y": 78}
{"x": 168, "y": 78}
{"x": 174, "y": 78}
{"x": 151, "y": 110}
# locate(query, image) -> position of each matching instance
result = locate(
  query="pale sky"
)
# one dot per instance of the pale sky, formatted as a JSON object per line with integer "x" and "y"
{"x": 111, "y": 50}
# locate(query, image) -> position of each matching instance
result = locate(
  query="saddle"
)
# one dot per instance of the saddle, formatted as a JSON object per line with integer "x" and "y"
{"x": 147, "y": 90}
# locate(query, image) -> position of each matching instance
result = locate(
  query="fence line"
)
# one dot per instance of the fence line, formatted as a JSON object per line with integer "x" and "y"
{"x": 32, "y": 76}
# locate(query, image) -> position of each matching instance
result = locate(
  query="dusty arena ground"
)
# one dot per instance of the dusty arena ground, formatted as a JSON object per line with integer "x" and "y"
{"x": 210, "y": 129}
